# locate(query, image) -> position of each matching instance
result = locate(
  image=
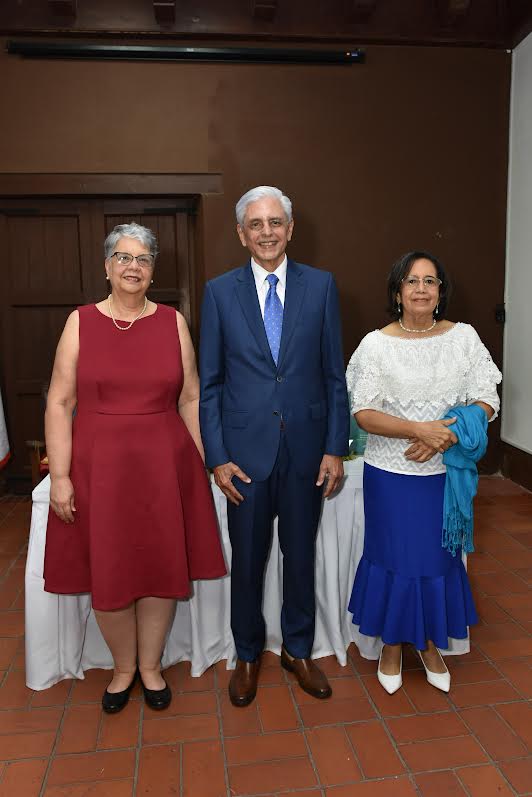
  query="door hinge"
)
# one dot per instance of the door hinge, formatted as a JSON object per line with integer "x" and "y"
{"x": 500, "y": 313}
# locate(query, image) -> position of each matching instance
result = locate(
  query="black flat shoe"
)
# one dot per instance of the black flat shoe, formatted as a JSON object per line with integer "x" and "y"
{"x": 113, "y": 702}
{"x": 157, "y": 699}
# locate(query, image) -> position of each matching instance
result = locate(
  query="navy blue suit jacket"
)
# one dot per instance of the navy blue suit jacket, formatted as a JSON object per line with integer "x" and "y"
{"x": 244, "y": 394}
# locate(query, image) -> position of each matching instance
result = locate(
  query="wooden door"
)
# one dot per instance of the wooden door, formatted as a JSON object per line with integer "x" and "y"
{"x": 53, "y": 262}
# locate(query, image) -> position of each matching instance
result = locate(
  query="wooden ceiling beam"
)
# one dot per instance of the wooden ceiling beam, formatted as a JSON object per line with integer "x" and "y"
{"x": 63, "y": 8}
{"x": 164, "y": 11}
{"x": 360, "y": 10}
{"x": 264, "y": 10}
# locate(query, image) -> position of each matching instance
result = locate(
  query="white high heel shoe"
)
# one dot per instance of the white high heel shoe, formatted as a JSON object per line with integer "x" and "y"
{"x": 390, "y": 682}
{"x": 441, "y": 680}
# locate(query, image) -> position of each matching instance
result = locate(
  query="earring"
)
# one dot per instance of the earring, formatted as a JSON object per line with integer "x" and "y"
{"x": 107, "y": 276}
{"x": 151, "y": 281}
{"x": 436, "y": 311}
{"x": 399, "y": 307}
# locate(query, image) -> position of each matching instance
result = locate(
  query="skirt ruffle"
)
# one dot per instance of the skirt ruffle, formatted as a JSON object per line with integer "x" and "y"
{"x": 412, "y": 609}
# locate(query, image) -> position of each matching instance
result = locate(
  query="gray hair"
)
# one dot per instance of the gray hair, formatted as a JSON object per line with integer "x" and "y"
{"x": 131, "y": 230}
{"x": 260, "y": 192}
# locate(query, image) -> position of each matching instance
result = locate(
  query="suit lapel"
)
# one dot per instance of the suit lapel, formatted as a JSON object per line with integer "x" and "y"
{"x": 293, "y": 301}
{"x": 249, "y": 302}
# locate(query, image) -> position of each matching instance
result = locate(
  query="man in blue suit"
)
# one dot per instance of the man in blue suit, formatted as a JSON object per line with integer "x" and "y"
{"x": 275, "y": 423}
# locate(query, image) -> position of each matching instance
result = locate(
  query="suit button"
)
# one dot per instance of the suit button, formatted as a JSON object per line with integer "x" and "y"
{"x": 279, "y": 378}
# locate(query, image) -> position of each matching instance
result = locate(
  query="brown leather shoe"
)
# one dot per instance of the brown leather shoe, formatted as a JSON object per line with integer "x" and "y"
{"x": 309, "y": 677}
{"x": 243, "y": 683}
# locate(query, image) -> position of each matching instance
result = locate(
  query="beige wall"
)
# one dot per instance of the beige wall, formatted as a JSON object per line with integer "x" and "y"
{"x": 406, "y": 151}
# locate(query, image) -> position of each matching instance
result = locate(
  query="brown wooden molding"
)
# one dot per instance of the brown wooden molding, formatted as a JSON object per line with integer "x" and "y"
{"x": 20, "y": 185}
{"x": 63, "y": 8}
{"x": 164, "y": 11}
{"x": 517, "y": 465}
{"x": 264, "y": 10}
{"x": 452, "y": 12}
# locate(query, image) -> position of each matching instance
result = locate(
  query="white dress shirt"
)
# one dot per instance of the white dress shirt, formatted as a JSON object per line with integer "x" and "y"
{"x": 263, "y": 286}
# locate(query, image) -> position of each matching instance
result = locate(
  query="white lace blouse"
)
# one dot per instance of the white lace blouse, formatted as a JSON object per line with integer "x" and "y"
{"x": 419, "y": 379}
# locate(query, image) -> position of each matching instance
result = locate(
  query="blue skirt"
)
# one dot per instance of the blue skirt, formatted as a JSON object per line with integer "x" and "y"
{"x": 407, "y": 587}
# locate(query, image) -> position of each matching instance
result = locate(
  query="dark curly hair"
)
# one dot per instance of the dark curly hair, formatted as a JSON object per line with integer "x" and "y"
{"x": 401, "y": 269}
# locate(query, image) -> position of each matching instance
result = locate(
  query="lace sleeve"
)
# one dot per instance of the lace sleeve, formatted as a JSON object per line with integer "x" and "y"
{"x": 363, "y": 377}
{"x": 483, "y": 377}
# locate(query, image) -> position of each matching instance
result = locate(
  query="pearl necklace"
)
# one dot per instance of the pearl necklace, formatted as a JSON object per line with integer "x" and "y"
{"x": 124, "y": 329}
{"x": 405, "y": 329}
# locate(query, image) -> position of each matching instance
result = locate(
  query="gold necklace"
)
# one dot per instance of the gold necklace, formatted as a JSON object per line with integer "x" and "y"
{"x": 124, "y": 329}
{"x": 405, "y": 329}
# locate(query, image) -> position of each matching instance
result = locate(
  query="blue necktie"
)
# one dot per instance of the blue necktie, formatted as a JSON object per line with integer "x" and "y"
{"x": 273, "y": 317}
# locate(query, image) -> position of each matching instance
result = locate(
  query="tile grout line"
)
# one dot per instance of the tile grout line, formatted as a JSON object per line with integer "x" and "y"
{"x": 491, "y": 761}
{"x": 221, "y": 734}
{"x": 138, "y": 748}
{"x": 303, "y": 730}
{"x": 456, "y": 771}
{"x": 51, "y": 756}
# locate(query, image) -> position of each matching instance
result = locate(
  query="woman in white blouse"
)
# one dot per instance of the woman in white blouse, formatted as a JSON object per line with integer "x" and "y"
{"x": 402, "y": 380}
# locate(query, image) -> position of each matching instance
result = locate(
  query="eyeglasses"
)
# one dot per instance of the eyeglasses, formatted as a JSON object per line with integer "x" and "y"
{"x": 124, "y": 258}
{"x": 428, "y": 282}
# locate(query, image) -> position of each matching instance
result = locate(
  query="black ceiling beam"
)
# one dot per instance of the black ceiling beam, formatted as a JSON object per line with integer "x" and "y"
{"x": 245, "y": 55}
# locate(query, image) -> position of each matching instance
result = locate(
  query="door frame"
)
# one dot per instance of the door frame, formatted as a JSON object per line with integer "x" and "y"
{"x": 56, "y": 186}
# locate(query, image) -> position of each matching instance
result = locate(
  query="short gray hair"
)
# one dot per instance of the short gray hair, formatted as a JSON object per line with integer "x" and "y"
{"x": 131, "y": 230}
{"x": 260, "y": 192}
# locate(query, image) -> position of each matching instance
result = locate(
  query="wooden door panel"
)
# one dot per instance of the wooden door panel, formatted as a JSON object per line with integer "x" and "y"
{"x": 169, "y": 222}
{"x": 46, "y": 274}
{"x": 54, "y": 249}
{"x": 44, "y": 258}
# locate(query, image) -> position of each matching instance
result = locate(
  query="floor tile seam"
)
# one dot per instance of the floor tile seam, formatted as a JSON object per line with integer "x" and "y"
{"x": 510, "y": 619}
{"x": 221, "y": 735}
{"x": 28, "y": 708}
{"x": 170, "y": 717}
{"x": 288, "y": 793}
{"x": 472, "y": 733}
{"x": 510, "y": 727}
{"x": 11, "y": 566}
{"x": 51, "y": 757}
{"x": 273, "y": 760}
{"x": 353, "y": 748}
{"x": 96, "y": 702}
{"x": 26, "y": 758}
{"x": 138, "y": 748}
{"x": 99, "y": 730}
{"x": 302, "y": 730}
{"x": 401, "y": 745}
{"x": 524, "y": 697}
{"x": 456, "y": 770}
{"x": 14, "y": 733}
{"x": 91, "y": 781}
{"x": 94, "y": 751}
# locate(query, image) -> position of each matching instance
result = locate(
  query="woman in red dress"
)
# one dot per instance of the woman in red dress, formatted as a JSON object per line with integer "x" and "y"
{"x": 133, "y": 519}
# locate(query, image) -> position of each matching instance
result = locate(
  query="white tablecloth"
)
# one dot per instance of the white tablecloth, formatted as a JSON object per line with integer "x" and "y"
{"x": 4, "y": 442}
{"x": 63, "y": 639}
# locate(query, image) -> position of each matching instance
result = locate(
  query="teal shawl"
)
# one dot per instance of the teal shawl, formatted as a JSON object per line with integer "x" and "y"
{"x": 462, "y": 477}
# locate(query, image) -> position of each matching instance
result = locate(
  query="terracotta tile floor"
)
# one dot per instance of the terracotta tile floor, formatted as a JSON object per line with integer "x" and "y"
{"x": 361, "y": 743}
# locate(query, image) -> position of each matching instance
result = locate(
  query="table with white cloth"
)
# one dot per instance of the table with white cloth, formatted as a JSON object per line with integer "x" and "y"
{"x": 63, "y": 639}
{"x": 4, "y": 442}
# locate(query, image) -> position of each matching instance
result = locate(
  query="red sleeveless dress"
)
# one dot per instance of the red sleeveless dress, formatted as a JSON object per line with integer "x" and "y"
{"x": 145, "y": 523}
